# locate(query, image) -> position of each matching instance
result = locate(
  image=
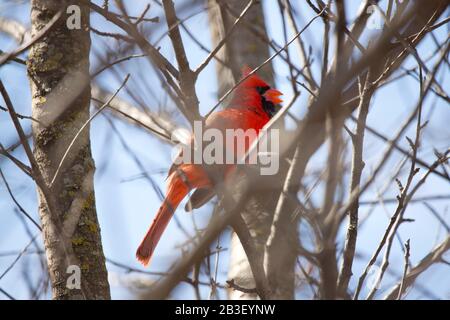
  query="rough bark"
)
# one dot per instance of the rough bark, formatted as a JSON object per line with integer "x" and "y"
{"x": 243, "y": 48}
{"x": 58, "y": 69}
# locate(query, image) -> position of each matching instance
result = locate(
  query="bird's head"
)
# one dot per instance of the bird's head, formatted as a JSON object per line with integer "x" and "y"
{"x": 255, "y": 92}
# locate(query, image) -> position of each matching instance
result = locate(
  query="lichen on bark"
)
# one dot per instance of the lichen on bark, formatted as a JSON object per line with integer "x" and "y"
{"x": 58, "y": 69}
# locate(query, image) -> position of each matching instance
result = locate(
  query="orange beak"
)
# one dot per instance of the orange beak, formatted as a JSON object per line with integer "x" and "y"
{"x": 273, "y": 95}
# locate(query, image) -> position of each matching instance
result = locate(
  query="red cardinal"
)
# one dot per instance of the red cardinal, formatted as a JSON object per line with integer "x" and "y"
{"x": 252, "y": 106}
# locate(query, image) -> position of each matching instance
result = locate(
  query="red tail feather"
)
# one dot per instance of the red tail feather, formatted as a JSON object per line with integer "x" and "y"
{"x": 177, "y": 190}
{"x": 154, "y": 233}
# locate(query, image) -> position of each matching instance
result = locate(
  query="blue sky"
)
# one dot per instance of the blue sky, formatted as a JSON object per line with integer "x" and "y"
{"x": 125, "y": 209}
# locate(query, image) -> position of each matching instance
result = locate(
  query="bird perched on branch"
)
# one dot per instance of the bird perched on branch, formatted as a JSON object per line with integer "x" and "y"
{"x": 253, "y": 104}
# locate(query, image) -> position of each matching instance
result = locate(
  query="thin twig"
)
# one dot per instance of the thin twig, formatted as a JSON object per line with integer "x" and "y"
{"x": 237, "y": 287}
{"x": 224, "y": 40}
{"x": 17, "y": 203}
{"x": 6, "y": 57}
{"x": 84, "y": 126}
{"x": 431, "y": 258}
{"x": 395, "y": 200}
{"x": 261, "y": 65}
{"x": 405, "y": 270}
{"x": 357, "y": 168}
{"x": 187, "y": 77}
{"x": 10, "y": 297}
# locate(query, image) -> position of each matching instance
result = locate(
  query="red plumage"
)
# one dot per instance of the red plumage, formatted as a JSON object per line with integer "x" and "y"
{"x": 251, "y": 107}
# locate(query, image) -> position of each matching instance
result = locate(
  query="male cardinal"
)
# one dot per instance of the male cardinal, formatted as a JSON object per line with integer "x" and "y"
{"x": 251, "y": 107}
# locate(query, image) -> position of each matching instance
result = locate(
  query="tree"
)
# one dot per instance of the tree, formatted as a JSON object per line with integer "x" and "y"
{"x": 244, "y": 48}
{"x": 305, "y": 231}
{"x": 58, "y": 67}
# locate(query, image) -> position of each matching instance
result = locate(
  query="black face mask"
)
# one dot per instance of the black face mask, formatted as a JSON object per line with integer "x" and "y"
{"x": 269, "y": 108}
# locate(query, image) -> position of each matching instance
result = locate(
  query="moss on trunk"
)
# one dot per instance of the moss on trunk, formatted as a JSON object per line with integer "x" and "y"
{"x": 58, "y": 68}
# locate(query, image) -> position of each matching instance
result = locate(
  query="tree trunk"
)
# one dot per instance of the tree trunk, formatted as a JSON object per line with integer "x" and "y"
{"x": 58, "y": 68}
{"x": 244, "y": 48}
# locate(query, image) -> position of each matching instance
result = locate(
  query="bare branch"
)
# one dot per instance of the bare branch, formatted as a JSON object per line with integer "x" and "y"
{"x": 433, "y": 257}
{"x": 405, "y": 271}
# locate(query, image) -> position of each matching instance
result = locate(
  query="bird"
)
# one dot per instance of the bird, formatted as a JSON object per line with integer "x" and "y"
{"x": 252, "y": 105}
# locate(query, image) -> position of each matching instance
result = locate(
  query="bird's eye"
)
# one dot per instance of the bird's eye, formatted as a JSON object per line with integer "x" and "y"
{"x": 262, "y": 90}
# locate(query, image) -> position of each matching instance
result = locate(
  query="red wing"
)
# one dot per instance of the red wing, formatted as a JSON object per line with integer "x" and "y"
{"x": 199, "y": 198}
{"x": 222, "y": 120}
{"x": 225, "y": 119}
